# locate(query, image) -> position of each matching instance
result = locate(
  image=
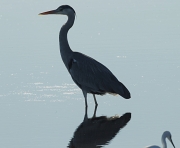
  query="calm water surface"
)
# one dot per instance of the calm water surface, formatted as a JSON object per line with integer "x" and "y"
{"x": 137, "y": 40}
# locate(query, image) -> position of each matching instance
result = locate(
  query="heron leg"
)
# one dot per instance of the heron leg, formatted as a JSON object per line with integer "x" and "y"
{"x": 95, "y": 99}
{"x": 95, "y": 109}
{"x": 85, "y": 96}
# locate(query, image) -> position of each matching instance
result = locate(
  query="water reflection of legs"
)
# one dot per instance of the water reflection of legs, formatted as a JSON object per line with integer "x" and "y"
{"x": 85, "y": 116}
{"x": 86, "y": 109}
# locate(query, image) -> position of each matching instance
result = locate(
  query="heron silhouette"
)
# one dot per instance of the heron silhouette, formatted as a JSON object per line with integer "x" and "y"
{"x": 90, "y": 75}
{"x": 96, "y": 132}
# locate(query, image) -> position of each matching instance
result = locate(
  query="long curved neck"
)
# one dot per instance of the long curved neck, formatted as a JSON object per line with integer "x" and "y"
{"x": 65, "y": 49}
{"x": 163, "y": 140}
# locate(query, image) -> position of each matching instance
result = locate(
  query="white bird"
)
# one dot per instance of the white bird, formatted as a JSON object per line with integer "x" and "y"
{"x": 165, "y": 135}
{"x": 90, "y": 75}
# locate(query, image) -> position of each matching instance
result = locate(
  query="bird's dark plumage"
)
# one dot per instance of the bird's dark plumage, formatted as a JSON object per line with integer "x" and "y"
{"x": 90, "y": 75}
{"x": 94, "y": 77}
{"x": 65, "y": 7}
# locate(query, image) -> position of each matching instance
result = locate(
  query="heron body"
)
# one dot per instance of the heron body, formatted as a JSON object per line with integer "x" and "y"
{"x": 90, "y": 75}
{"x": 165, "y": 135}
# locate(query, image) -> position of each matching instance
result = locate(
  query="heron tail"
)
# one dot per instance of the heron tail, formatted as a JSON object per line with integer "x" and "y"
{"x": 123, "y": 91}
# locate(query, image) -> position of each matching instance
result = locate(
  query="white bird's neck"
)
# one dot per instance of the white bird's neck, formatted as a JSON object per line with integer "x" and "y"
{"x": 163, "y": 140}
{"x": 65, "y": 49}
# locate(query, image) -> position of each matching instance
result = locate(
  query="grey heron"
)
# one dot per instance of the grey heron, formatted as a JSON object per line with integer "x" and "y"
{"x": 90, "y": 75}
{"x": 165, "y": 135}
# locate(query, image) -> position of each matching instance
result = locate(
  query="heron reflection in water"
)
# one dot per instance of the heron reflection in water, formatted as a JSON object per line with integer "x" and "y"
{"x": 97, "y": 131}
{"x": 90, "y": 75}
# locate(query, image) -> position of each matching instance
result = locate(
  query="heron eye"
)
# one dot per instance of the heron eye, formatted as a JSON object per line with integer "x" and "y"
{"x": 60, "y": 9}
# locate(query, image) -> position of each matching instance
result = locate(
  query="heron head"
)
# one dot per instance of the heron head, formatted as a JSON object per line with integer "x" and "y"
{"x": 64, "y": 10}
{"x": 169, "y": 137}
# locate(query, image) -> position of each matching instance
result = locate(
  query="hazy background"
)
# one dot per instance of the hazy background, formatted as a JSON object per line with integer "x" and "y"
{"x": 139, "y": 41}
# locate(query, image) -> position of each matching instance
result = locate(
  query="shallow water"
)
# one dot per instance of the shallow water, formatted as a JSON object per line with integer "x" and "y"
{"x": 137, "y": 40}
